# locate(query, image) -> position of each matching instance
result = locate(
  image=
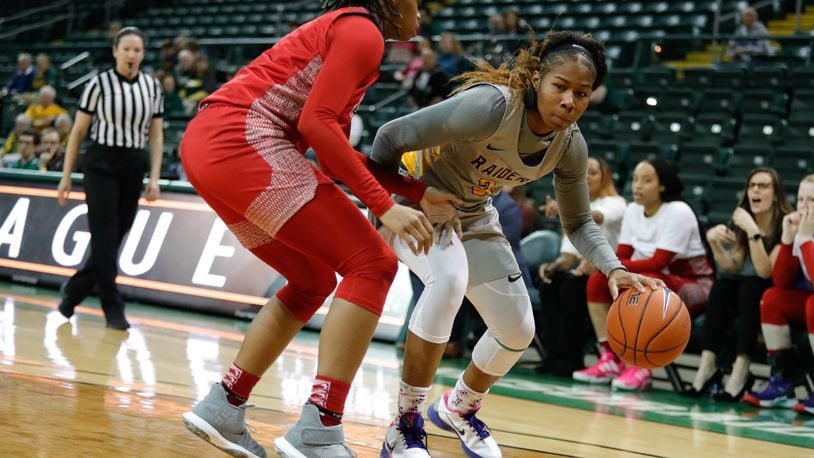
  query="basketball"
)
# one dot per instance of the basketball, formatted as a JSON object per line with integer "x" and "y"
{"x": 648, "y": 329}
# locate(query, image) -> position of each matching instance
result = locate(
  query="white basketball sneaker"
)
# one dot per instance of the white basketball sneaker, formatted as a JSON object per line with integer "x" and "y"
{"x": 476, "y": 438}
{"x": 406, "y": 438}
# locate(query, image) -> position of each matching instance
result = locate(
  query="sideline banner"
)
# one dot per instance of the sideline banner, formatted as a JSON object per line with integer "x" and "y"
{"x": 178, "y": 252}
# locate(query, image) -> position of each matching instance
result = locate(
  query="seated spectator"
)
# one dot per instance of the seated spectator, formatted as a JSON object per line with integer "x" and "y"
{"x": 431, "y": 84}
{"x": 27, "y": 148}
{"x": 44, "y": 112}
{"x": 201, "y": 82}
{"x": 790, "y": 302}
{"x": 494, "y": 49}
{"x": 427, "y": 27}
{"x": 173, "y": 104}
{"x": 450, "y": 55}
{"x": 52, "y": 154}
{"x": 406, "y": 74}
{"x": 24, "y": 76}
{"x": 516, "y": 30}
{"x": 46, "y": 74}
{"x": 21, "y": 124}
{"x": 563, "y": 318}
{"x": 653, "y": 244}
{"x": 185, "y": 68}
{"x": 744, "y": 49}
{"x": 745, "y": 254}
{"x": 63, "y": 124}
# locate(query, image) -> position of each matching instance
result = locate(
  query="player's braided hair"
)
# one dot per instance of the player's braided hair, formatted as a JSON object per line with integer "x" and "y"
{"x": 557, "y": 48}
{"x": 383, "y": 11}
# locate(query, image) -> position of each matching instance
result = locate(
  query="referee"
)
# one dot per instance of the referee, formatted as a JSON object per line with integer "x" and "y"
{"x": 123, "y": 108}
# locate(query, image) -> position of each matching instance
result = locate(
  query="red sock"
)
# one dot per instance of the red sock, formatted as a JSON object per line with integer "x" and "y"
{"x": 238, "y": 384}
{"x": 329, "y": 397}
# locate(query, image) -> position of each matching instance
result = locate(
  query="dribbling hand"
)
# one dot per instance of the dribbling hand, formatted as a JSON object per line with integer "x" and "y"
{"x": 621, "y": 278}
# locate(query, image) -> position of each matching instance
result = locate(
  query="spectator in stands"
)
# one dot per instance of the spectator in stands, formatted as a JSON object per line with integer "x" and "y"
{"x": 63, "y": 124}
{"x": 505, "y": 126}
{"x": 494, "y": 49}
{"x": 43, "y": 112}
{"x": 516, "y": 30}
{"x": 431, "y": 84}
{"x": 27, "y": 145}
{"x": 46, "y": 75}
{"x": 52, "y": 154}
{"x": 745, "y": 254}
{"x": 406, "y": 74}
{"x": 427, "y": 27}
{"x": 21, "y": 124}
{"x": 23, "y": 78}
{"x": 652, "y": 244}
{"x": 185, "y": 68}
{"x": 752, "y": 38}
{"x": 173, "y": 104}
{"x": 564, "y": 314}
{"x": 166, "y": 57}
{"x": 450, "y": 55}
{"x": 790, "y": 302}
{"x": 200, "y": 83}
{"x": 260, "y": 124}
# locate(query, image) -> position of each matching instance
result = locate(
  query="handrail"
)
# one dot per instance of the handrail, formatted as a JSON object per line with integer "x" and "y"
{"x": 81, "y": 80}
{"x": 36, "y": 10}
{"x": 74, "y": 60}
{"x": 36, "y": 25}
{"x": 388, "y": 100}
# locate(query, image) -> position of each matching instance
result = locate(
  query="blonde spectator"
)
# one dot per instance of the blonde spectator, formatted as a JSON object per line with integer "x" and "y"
{"x": 751, "y": 38}
{"x": 21, "y": 124}
{"x": 42, "y": 114}
{"x": 63, "y": 124}
{"x": 46, "y": 74}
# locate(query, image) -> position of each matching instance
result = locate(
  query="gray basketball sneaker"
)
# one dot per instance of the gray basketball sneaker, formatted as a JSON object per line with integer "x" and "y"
{"x": 309, "y": 438}
{"x": 223, "y": 425}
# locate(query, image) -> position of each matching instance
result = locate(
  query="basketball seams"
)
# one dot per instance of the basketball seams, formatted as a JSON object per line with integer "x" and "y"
{"x": 619, "y": 315}
{"x": 639, "y": 327}
{"x": 665, "y": 326}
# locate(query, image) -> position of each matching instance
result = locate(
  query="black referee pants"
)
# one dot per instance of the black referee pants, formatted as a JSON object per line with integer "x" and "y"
{"x": 113, "y": 184}
{"x": 734, "y": 305}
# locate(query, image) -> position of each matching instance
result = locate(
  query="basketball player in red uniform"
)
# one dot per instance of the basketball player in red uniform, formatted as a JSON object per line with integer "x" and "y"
{"x": 243, "y": 153}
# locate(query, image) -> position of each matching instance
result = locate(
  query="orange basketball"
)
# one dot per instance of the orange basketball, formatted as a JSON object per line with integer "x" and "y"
{"x": 648, "y": 329}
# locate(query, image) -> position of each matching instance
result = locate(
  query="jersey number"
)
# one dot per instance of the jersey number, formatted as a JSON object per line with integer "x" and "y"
{"x": 484, "y": 189}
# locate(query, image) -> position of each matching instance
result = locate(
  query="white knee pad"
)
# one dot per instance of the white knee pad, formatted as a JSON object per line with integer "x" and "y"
{"x": 506, "y": 309}
{"x": 445, "y": 273}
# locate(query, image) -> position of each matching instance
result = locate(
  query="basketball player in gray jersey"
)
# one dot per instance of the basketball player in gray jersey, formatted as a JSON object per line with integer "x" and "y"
{"x": 504, "y": 127}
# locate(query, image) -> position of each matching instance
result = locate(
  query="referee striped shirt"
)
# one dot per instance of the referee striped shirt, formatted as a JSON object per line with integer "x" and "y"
{"x": 122, "y": 109}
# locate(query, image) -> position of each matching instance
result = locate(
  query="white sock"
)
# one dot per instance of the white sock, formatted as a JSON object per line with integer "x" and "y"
{"x": 706, "y": 369}
{"x": 412, "y": 398}
{"x": 739, "y": 375}
{"x": 463, "y": 399}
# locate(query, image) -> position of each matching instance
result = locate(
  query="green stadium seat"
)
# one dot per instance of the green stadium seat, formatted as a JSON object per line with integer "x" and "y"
{"x": 631, "y": 126}
{"x": 773, "y": 77}
{"x": 621, "y": 78}
{"x": 730, "y": 78}
{"x": 657, "y": 77}
{"x": 669, "y": 127}
{"x": 765, "y": 101}
{"x": 803, "y": 101}
{"x": 713, "y": 129}
{"x": 724, "y": 195}
{"x": 720, "y": 100}
{"x": 540, "y": 247}
{"x": 679, "y": 100}
{"x": 799, "y": 131}
{"x": 697, "y": 160}
{"x": 793, "y": 163}
{"x": 644, "y": 99}
{"x": 744, "y": 158}
{"x": 595, "y": 125}
{"x": 760, "y": 130}
{"x": 698, "y": 78}
{"x": 801, "y": 78}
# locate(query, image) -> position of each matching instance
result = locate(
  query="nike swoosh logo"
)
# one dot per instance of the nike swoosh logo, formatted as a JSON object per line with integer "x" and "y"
{"x": 513, "y": 279}
{"x": 492, "y": 148}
